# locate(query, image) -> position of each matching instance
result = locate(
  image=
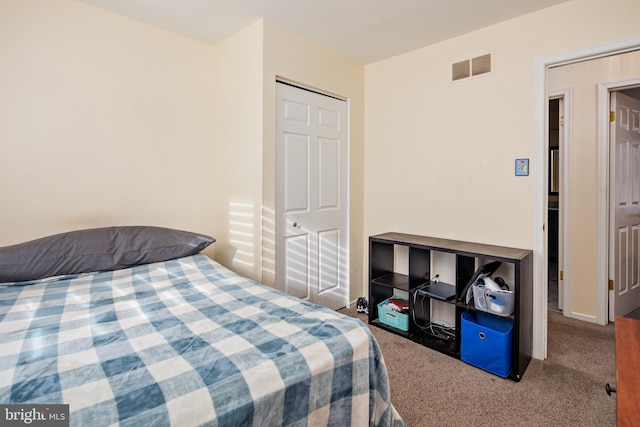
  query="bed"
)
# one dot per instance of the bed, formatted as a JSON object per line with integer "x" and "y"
{"x": 178, "y": 339}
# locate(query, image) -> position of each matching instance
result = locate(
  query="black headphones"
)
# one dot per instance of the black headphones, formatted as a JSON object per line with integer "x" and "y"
{"x": 500, "y": 282}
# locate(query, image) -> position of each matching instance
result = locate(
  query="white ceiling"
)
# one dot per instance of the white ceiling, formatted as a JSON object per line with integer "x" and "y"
{"x": 363, "y": 30}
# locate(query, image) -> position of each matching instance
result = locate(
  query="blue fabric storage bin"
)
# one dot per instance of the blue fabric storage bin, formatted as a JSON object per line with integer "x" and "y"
{"x": 486, "y": 342}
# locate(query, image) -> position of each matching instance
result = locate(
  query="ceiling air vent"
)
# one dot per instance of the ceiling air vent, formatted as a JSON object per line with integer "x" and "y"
{"x": 460, "y": 70}
{"x": 481, "y": 64}
{"x": 471, "y": 67}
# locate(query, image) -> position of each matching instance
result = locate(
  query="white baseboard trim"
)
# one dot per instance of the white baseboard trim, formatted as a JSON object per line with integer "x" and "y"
{"x": 584, "y": 317}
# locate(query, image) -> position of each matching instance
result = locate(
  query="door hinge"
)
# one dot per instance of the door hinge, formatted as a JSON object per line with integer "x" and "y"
{"x": 562, "y": 121}
{"x": 562, "y": 275}
{"x": 611, "y": 285}
{"x": 612, "y": 116}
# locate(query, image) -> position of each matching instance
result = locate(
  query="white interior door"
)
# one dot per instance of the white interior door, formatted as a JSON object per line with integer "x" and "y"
{"x": 625, "y": 195}
{"x": 311, "y": 196}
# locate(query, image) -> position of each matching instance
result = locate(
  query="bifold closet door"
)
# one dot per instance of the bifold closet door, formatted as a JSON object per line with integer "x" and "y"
{"x": 311, "y": 196}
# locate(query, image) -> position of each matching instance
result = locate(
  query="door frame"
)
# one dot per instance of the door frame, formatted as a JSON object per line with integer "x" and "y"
{"x": 604, "y": 145}
{"x": 347, "y": 255}
{"x": 541, "y": 146}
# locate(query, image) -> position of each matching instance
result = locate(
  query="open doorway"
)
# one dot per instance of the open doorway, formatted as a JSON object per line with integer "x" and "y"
{"x": 590, "y": 227}
{"x": 558, "y": 192}
{"x": 592, "y": 274}
{"x": 553, "y": 203}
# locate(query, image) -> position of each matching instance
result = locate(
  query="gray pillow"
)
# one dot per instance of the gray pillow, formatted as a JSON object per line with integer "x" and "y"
{"x": 97, "y": 249}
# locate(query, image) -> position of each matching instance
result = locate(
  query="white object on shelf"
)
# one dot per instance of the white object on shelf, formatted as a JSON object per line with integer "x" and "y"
{"x": 491, "y": 300}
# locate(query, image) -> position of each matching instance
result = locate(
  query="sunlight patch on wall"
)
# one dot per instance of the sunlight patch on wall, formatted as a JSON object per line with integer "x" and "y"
{"x": 268, "y": 246}
{"x": 241, "y": 234}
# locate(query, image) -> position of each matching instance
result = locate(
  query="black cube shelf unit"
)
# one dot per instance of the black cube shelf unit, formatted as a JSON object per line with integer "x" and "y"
{"x": 384, "y": 281}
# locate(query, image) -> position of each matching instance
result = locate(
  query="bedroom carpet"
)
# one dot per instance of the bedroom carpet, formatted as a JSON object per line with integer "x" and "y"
{"x": 567, "y": 389}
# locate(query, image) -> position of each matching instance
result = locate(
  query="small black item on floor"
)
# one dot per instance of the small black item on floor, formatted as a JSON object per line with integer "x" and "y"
{"x": 609, "y": 389}
{"x": 362, "y": 305}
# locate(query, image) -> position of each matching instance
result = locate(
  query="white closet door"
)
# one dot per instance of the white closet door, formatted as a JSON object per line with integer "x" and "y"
{"x": 311, "y": 196}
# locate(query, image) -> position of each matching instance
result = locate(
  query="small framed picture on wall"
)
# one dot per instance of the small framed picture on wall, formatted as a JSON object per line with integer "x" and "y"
{"x": 522, "y": 167}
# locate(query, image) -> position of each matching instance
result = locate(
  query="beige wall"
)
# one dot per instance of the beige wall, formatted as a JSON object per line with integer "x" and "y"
{"x": 583, "y": 78}
{"x": 237, "y": 164}
{"x": 103, "y": 121}
{"x": 439, "y": 156}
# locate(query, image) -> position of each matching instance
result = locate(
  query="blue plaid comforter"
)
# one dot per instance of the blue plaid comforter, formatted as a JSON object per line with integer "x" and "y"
{"x": 187, "y": 342}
